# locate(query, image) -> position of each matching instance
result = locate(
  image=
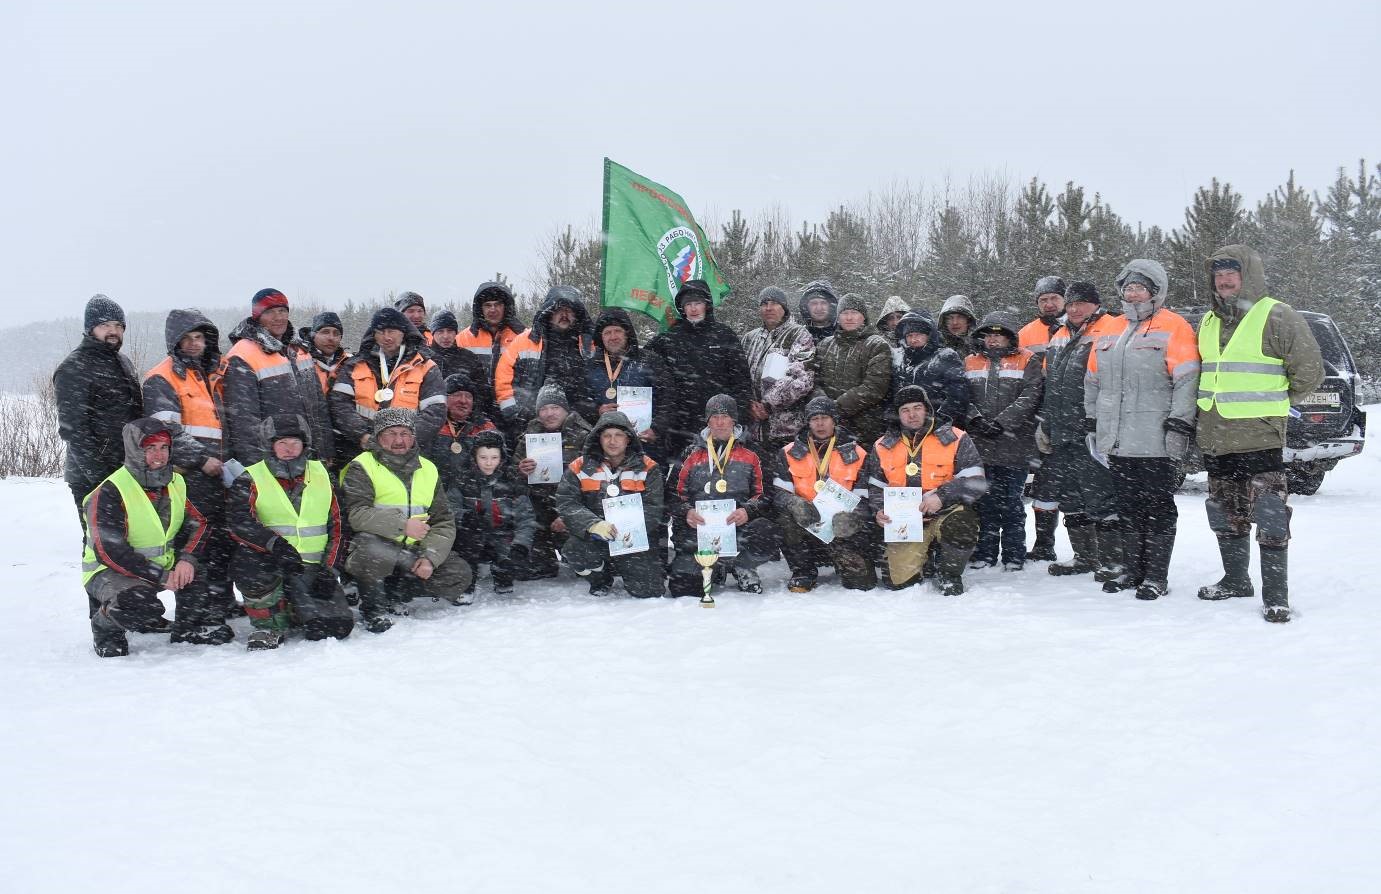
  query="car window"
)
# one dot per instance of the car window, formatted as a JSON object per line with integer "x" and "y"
{"x": 1331, "y": 345}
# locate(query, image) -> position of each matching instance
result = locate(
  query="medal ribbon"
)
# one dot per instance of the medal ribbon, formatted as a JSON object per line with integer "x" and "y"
{"x": 718, "y": 465}
{"x": 613, "y": 374}
{"x": 821, "y": 465}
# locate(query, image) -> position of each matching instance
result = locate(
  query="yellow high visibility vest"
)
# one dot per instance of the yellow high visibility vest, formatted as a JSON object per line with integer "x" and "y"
{"x": 306, "y": 529}
{"x": 1240, "y": 380}
{"x": 146, "y": 534}
{"x": 391, "y": 493}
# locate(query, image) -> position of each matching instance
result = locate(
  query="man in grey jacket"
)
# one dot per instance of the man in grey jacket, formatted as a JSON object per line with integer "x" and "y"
{"x": 1259, "y": 358}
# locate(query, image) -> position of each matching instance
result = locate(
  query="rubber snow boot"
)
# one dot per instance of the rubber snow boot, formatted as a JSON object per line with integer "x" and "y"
{"x": 1085, "y": 543}
{"x": 1130, "y": 577}
{"x": 601, "y": 582}
{"x": 1109, "y": 540}
{"x": 374, "y": 605}
{"x": 747, "y": 580}
{"x": 1043, "y": 550}
{"x": 801, "y": 583}
{"x": 108, "y": 638}
{"x": 204, "y": 635}
{"x": 949, "y": 566}
{"x": 1154, "y": 576}
{"x": 264, "y": 638}
{"x": 1275, "y": 587}
{"x": 1236, "y": 581}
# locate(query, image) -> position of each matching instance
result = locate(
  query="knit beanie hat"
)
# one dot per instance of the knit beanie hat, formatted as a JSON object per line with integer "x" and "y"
{"x": 100, "y": 309}
{"x": 854, "y": 302}
{"x": 1083, "y": 291}
{"x": 409, "y": 299}
{"x": 263, "y": 300}
{"x": 445, "y": 319}
{"x": 1047, "y": 285}
{"x": 722, "y": 403}
{"x": 460, "y": 382}
{"x": 822, "y": 406}
{"x": 391, "y": 416}
{"x": 1144, "y": 280}
{"x": 327, "y": 319}
{"x": 552, "y": 395}
{"x": 390, "y": 318}
{"x": 776, "y": 295}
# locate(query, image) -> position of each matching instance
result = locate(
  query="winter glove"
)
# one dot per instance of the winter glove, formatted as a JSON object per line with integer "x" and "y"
{"x": 286, "y": 555}
{"x": 846, "y": 524}
{"x": 325, "y": 586}
{"x": 601, "y": 531}
{"x": 1043, "y": 441}
{"x": 1176, "y": 445}
{"x": 805, "y": 513}
{"x": 986, "y": 428}
{"x": 1092, "y": 441}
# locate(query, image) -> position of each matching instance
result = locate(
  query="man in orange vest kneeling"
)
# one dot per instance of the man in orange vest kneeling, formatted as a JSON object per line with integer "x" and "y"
{"x": 940, "y": 465}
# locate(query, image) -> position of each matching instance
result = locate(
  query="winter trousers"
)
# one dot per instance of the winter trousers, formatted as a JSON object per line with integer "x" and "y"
{"x": 1235, "y": 503}
{"x": 1076, "y": 484}
{"x": 758, "y": 542}
{"x": 642, "y": 573}
{"x": 954, "y": 531}
{"x": 496, "y": 548}
{"x": 374, "y": 560}
{"x": 275, "y": 601}
{"x": 129, "y": 603}
{"x": 1145, "y": 493}
{"x": 545, "y": 543}
{"x": 1002, "y": 516}
{"x": 207, "y": 494}
{"x": 852, "y": 557}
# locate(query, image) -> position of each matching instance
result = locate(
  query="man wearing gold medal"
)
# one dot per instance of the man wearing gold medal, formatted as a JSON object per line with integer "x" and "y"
{"x": 930, "y": 454}
{"x": 391, "y": 369}
{"x": 824, "y": 450}
{"x": 617, "y": 363}
{"x": 720, "y": 466}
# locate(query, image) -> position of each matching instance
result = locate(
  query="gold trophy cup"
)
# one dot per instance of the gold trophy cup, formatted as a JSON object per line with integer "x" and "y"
{"x": 706, "y": 558}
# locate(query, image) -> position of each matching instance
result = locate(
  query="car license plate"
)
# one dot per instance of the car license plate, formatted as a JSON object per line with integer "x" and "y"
{"x": 1324, "y": 399}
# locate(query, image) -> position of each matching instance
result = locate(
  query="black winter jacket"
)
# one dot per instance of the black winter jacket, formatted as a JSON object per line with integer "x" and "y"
{"x": 692, "y": 362}
{"x": 97, "y": 393}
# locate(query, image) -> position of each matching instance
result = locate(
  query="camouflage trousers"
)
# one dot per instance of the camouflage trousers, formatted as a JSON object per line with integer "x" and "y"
{"x": 1234, "y": 504}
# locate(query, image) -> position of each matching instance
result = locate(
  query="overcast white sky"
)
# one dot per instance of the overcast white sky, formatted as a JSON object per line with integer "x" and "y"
{"x": 175, "y": 153}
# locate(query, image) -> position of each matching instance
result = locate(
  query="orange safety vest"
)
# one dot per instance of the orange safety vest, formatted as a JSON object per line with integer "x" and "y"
{"x": 1010, "y": 366}
{"x": 324, "y": 373}
{"x": 406, "y": 382}
{"x": 263, "y": 364}
{"x": 629, "y": 482}
{"x": 200, "y": 416}
{"x": 936, "y": 460}
{"x": 805, "y": 470}
{"x": 1034, "y": 336}
{"x": 482, "y": 342}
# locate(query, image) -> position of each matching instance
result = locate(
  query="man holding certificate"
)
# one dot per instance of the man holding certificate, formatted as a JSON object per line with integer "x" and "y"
{"x": 609, "y": 499}
{"x": 821, "y": 495}
{"x": 616, "y": 372}
{"x": 923, "y": 479}
{"x": 720, "y": 468}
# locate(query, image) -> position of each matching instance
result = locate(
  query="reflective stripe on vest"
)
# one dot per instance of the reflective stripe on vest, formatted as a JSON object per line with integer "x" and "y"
{"x": 306, "y": 529}
{"x": 143, "y": 527}
{"x": 406, "y": 383}
{"x": 935, "y": 459}
{"x": 391, "y": 493}
{"x": 1241, "y": 381}
{"x": 629, "y": 482}
{"x": 198, "y": 415}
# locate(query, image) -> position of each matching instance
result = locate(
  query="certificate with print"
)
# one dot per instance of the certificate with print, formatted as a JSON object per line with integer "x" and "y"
{"x": 831, "y": 498}
{"x": 716, "y": 534}
{"x": 546, "y": 450}
{"x": 636, "y": 404}
{"x": 625, "y": 513}
{"x": 903, "y": 506}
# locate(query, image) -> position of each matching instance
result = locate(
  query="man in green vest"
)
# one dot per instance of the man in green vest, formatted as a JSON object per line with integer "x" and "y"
{"x": 1258, "y": 358}
{"x": 402, "y": 527}
{"x": 283, "y": 516}
{"x": 143, "y": 536}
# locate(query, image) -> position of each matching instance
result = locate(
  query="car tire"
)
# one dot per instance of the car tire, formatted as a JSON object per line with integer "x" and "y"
{"x": 1303, "y": 483}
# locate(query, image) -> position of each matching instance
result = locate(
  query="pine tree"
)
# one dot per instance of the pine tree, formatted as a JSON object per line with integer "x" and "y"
{"x": 1027, "y": 249}
{"x": 951, "y": 265}
{"x": 1291, "y": 246}
{"x": 1352, "y": 256}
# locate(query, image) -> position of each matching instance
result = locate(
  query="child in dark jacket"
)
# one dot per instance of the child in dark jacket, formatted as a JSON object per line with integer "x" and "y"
{"x": 494, "y": 518}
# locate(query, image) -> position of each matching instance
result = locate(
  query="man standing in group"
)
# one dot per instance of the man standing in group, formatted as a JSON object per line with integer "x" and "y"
{"x": 854, "y": 368}
{"x": 1258, "y": 358}
{"x": 818, "y": 306}
{"x": 553, "y": 350}
{"x": 178, "y": 391}
{"x": 1034, "y": 337}
{"x": 265, "y": 373}
{"x": 97, "y": 393}
{"x": 493, "y": 326}
{"x": 693, "y": 361}
{"x": 322, "y": 341}
{"x": 956, "y": 324}
{"x": 781, "y": 361}
{"x": 414, "y": 307}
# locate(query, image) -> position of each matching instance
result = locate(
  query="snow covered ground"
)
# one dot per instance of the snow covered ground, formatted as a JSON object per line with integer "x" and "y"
{"x": 1032, "y": 735}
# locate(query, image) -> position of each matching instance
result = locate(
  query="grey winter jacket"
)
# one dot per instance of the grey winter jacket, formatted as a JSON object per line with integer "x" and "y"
{"x": 785, "y": 397}
{"x": 1286, "y": 336}
{"x": 1143, "y": 375}
{"x": 1005, "y": 387}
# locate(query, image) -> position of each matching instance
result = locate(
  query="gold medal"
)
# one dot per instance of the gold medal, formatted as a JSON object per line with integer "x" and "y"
{"x": 612, "y": 490}
{"x": 721, "y": 485}
{"x": 456, "y": 447}
{"x": 611, "y": 392}
{"x": 912, "y": 469}
{"x": 383, "y": 395}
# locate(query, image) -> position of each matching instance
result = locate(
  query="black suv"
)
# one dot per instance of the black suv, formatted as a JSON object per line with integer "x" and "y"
{"x": 1328, "y": 425}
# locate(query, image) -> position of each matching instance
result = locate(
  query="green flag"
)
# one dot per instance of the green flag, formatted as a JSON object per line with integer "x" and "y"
{"x": 652, "y": 245}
